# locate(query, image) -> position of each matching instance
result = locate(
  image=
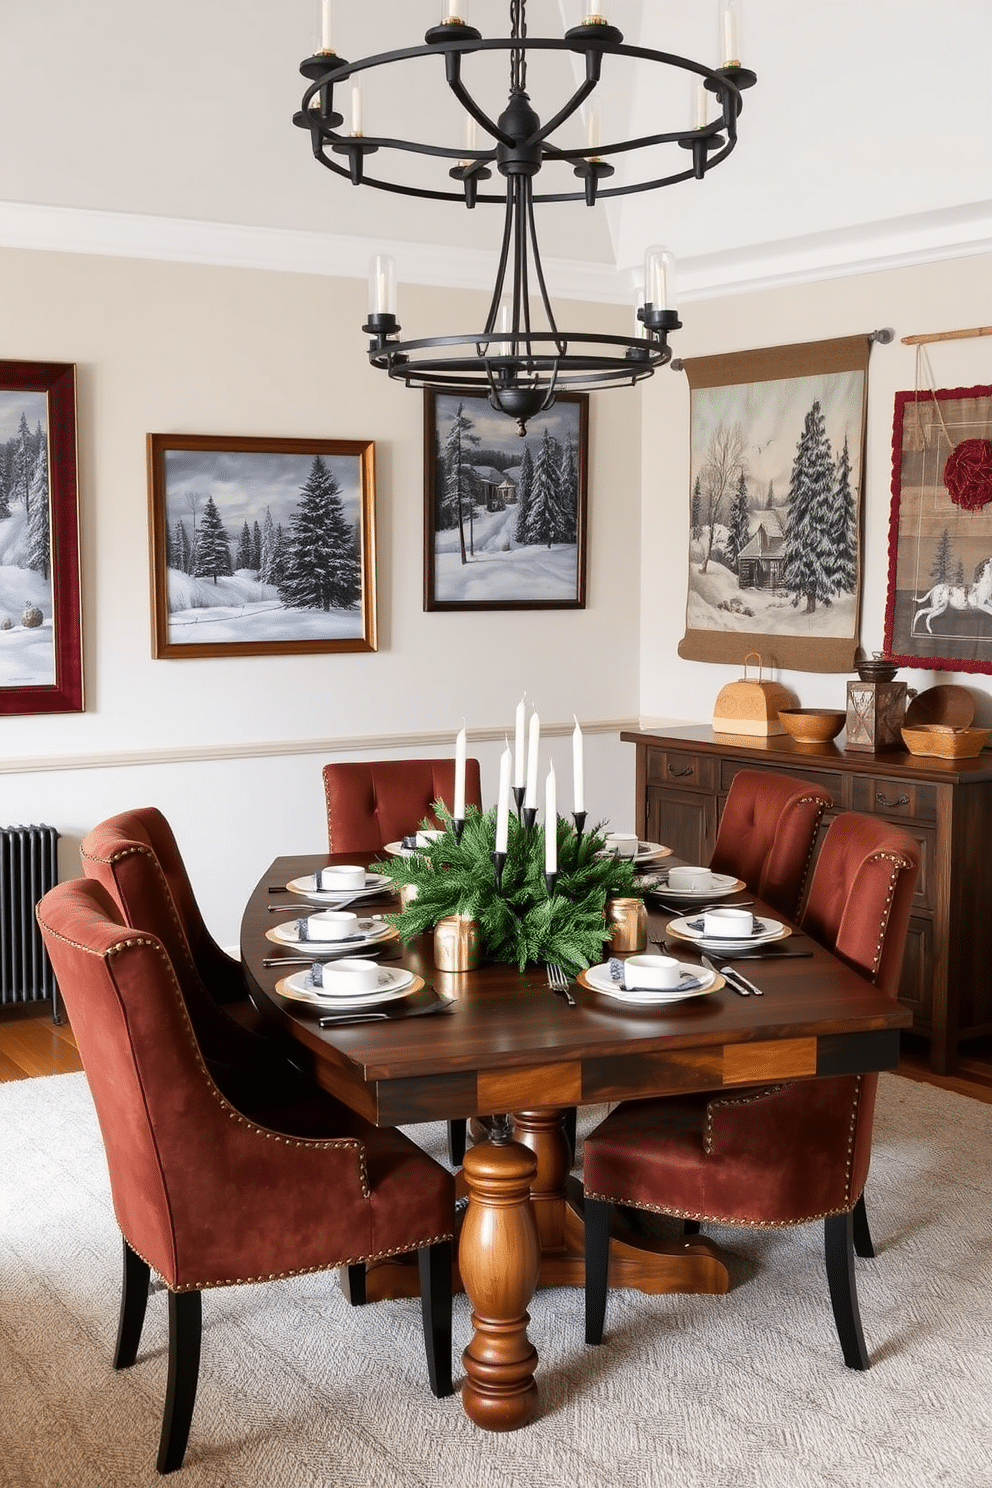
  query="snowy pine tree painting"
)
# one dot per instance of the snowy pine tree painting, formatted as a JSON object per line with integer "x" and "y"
{"x": 774, "y": 508}
{"x": 27, "y": 651}
{"x": 265, "y": 545}
{"x": 506, "y": 525}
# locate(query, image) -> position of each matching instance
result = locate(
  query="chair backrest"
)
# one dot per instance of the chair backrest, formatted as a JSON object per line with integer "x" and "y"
{"x": 861, "y": 895}
{"x": 136, "y": 858}
{"x": 372, "y": 802}
{"x": 767, "y": 834}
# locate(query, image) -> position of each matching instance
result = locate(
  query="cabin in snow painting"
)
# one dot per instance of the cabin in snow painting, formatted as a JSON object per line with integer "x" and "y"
{"x": 774, "y": 527}
{"x": 505, "y": 515}
{"x": 27, "y": 651}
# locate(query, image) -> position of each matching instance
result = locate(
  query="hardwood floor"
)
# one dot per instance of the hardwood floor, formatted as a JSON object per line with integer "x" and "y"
{"x": 31, "y": 1044}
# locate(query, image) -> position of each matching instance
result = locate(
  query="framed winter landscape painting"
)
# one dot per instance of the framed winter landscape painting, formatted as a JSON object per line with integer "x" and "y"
{"x": 505, "y": 517}
{"x": 938, "y": 610}
{"x": 777, "y": 455}
{"x": 41, "y": 669}
{"x": 261, "y": 547}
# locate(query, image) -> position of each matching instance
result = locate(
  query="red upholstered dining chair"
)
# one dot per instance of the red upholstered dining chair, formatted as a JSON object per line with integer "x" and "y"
{"x": 372, "y": 802}
{"x": 774, "y": 1155}
{"x": 136, "y": 858}
{"x": 767, "y": 834}
{"x": 206, "y": 1196}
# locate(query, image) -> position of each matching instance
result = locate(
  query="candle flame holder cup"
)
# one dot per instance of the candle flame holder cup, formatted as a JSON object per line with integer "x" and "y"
{"x": 457, "y": 943}
{"x": 629, "y": 921}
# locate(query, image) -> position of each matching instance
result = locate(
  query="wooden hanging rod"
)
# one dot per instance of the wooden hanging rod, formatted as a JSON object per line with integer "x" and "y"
{"x": 947, "y": 336}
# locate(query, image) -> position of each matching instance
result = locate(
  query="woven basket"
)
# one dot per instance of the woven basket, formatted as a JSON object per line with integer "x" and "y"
{"x": 750, "y": 706}
{"x": 944, "y": 742}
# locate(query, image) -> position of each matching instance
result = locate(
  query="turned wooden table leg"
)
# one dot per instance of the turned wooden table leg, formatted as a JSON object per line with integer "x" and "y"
{"x": 544, "y": 1133}
{"x": 499, "y": 1260}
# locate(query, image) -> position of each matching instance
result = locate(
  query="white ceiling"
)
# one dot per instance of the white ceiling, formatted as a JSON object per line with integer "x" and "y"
{"x": 166, "y": 130}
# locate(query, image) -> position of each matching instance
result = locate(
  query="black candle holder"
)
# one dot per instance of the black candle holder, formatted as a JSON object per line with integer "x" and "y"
{"x": 499, "y": 863}
{"x": 530, "y": 817}
{"x": 551, "y": 879}
{"x": 457, "y": 827}
{"x": 579, "y": 818}
{"x": 519, "y": 791}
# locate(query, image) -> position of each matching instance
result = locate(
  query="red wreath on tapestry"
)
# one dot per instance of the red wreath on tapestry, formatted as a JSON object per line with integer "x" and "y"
{"x": 968, "y": 474}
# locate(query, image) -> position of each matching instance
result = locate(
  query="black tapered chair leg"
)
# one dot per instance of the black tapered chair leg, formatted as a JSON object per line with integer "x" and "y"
{"x": 596, "y": 1214}
{"x": 353, "y": 1284}
{"x": 185, "y": 1326}
{"x": 435, "y": 1304}
{"x": 457, "y": 1130}
{"x": 570, "y": 1124}
{"x": 863, "y": 1243}
{"x": 134, "y": 1300}
{"x": 838, "y": 1236}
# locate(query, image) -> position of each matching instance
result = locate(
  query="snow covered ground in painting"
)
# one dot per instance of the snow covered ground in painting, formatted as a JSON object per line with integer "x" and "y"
{"x": 771, "y": 614}
{"x": 27, "y": 656}
{"x": 499, "y": 570}
{"x": 241, "y": 609}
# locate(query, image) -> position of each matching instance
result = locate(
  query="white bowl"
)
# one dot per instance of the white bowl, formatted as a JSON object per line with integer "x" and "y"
{"x": 341, "y": 876}
{"x": 651, "y": 971}
{"x": 331, "y": 924}
{"x": 350, "y": 978}
{"x": 690, "y": 880}
{"x": 728, "y": 924}
{"x": 624, "y": 844}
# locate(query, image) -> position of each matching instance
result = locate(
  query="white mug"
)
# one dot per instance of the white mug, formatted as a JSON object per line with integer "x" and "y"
{"x": 341, "y": 876}
{"x": 348, "y": 978}
{"x": 728, "y": 923}
{"x": 332, "y": 924}
{"x": 690, "y": 880}
{"x": 623, "y": 844}
{"x": 652, "y": 971}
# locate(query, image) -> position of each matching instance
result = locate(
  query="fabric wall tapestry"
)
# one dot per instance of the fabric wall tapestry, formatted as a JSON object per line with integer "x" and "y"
{"x": 777, "y": 455}
{"x": 938, "y": 610}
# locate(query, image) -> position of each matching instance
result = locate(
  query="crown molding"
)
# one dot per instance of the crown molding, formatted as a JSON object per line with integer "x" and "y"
{"x": 930, "y": 237}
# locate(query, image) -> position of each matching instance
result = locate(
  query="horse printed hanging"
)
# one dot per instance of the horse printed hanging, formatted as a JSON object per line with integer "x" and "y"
{"x": 939, "y": 607}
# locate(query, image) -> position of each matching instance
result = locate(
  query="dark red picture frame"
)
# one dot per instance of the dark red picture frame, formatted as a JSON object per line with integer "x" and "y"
{"x": 58, "y": 381}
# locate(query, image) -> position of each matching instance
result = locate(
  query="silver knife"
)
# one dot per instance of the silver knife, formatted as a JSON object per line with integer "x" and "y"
{"x": 733, "y": 979}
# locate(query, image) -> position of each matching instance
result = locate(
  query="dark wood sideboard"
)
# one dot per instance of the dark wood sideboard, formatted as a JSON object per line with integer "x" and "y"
{"x": 683, "y": 775}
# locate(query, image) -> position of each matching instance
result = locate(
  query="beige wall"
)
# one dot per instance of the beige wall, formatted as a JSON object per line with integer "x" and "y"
{"x": 934, "y": 297}
{"x": 194, "y": 349}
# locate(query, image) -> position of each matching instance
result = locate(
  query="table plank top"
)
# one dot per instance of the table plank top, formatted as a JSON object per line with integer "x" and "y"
{"x": 511, "y": 1044}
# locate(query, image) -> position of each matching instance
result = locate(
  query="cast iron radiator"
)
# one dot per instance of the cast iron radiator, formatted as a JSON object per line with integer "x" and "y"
{"x": 28, "y": 869}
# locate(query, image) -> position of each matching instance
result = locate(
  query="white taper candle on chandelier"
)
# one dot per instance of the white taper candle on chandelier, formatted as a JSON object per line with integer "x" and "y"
{"x": 730, "y": 32}
{"x": 458, "y": 811}
{"x": 659, "y": 278}
{"x": 551, "y": 822}
{"x": 503, "y": 802}
{"x": 578, "y": 770}
{"x": 382, "y": 284}
{"x": 520, "y": 758}
{"x": 327, "y": 26}
{"x": 533, "y": 748}
{"x": 356, "y": 109}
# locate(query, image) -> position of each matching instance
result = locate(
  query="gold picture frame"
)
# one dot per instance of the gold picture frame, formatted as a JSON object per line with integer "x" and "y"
{"x": 261, "y": 547}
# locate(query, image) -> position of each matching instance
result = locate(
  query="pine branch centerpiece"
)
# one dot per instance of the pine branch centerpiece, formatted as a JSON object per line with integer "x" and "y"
{"x": 518, "y": 920}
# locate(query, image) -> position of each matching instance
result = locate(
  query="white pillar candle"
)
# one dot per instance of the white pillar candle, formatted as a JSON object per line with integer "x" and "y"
{"x": 533, "y": 746}
{"x": 520, "y": 759}
{"x": 578, "y": 772}
{"x": 458, "y": 812}
{"x": 503, "y": 802}
{"x": 551, "y": 822}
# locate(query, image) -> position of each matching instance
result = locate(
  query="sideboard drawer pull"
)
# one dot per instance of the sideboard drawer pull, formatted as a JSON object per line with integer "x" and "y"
{"x": 881, "y": 800}
{"x": 685, "y": 770}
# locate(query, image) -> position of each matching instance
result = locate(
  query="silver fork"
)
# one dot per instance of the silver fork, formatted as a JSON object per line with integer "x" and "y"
{"x": 558, "y": 982}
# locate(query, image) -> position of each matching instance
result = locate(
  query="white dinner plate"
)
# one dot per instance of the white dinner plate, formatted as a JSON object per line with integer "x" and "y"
{"x": 397, "y": 850}
{"x": 374, "y": 884}
{"x": 648, "y": 851}
{"x": 600, "y": 980}
{"x": 721, "y": 885}
{"x": 370, "y": 933}
{"x": 394, "y": 982}
{"x": 690, "y": 927}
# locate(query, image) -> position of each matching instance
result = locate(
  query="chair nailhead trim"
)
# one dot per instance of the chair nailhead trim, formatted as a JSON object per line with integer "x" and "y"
{"x": 732, "y": 1100}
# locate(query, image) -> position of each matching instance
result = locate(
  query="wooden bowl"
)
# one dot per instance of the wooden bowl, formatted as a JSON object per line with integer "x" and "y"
{"x": 945, "y": 742}
{"x": 812, "y": 725}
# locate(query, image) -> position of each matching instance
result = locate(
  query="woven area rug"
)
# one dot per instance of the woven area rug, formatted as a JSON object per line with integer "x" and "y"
{"x": 298, "y": 1389}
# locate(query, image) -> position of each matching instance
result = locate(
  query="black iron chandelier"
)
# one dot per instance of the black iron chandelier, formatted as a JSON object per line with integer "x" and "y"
{"x": 520, "y": 358}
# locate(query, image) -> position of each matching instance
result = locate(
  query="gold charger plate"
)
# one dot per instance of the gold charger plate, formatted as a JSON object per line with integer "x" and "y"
{"x": 716, "y": 985}
{"x": 713, "y": 941}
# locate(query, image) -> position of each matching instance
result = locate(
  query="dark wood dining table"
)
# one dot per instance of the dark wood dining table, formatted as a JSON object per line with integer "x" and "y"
{"x": 510, "y": 1045}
